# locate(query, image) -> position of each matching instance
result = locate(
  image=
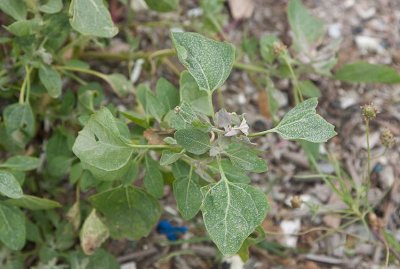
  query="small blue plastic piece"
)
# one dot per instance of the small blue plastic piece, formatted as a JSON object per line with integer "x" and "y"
{"x": 170, "y": 231}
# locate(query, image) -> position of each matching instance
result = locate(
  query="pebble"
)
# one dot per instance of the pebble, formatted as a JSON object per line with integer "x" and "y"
{"x": 369, "y": 44}
{"x": 129, "y": 265}
{"x": 386, "y": 177}
{"x": 288, "y": 228}
{"x": 335, "y": 30}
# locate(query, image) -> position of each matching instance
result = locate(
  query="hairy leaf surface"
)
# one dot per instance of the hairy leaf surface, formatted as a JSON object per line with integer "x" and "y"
{"x": 231, "y": 212}
{"x": 91, "y": 17}
{"x": 128, "y": 211}
{"x": 302, "y": 122}
{"x": 210, "y": 62}
{"x": 101, "y": 147}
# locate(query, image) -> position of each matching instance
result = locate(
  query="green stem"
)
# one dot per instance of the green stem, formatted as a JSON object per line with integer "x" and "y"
{"x": 296, "y": 90}
{"x": 210, "y": 103}
{"x": 262, "y": 133}
{"x": 143, "y": 146}
{"x": 123, "y": 56}
{"x": 82, "y": 70}
{"x": 221, "y": 170}
{"x": 24, "y": 85}
{"x": 368, "y": 152}
{"x": 250, "y": 68}
{"x": 28, "y": 83}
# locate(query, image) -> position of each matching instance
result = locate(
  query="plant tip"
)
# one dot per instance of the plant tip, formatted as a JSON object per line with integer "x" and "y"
{"x": 387, "y": 138}
{"x": 369, "y": 111}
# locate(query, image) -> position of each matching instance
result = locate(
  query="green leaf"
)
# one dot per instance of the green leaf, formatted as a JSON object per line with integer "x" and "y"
{"x": 135, "y": 118}
{"x": 193, "y": 140}
{"x": 24, "y": 27}
{"x": 183, "y": 118}
{"x": 187, "y": 194}
{"x": 33, "y": 203}
{"x": 93, "y": 233}
{"x": 119, "y": 83}
{"x": 9, "y": 185}
{"x": 59, "y": 153}
{"x": 19, "y": 122}
{"x": 307, "y": 29}
{"x": 51, "y": 80}
{"x": 101, "y": 147}
{"x": 267, "y": 48}
{"x": 167, "y": 94}
{"x": 232, "y": 173}
{"x": 245, "y": 158}
{"x": 15, "y": 8}
{"x": 192, "y": 95}
{"x": 163, "y": 5}
{"x": 12, "y": 227}
{"x": 91, "y": 18}
{"x": 102, "y": 259}
{"x": 363, "y": 72}
{"x": 210, "y": 62}
{"x": 244, "y": 252}
{"x": 52, "y": 6}
{"x": 152, "y": 106}
{"x": 128, "y": 211}
{"x": 153, "y": 180}
{"x": 21, "y": 163}
{"x": 302, "y": 122}
{"x": 308, "y": 89}
{"x": 231, "y": 212}
{"x": 168, "y": 157}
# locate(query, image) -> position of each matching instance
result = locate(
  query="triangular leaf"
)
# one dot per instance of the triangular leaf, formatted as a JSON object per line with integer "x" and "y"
{"x": 33, "y": 203}
{"x": 153, "y": 179}
{"x": 21, "y": 163}
{"x": 91, "y": 18}
{"x": 188, "y": 195}
{"x": 210, "y": 62}
{"x": 128, "y": 211}
{"x": 93, "y": 233}
{"x": 9, "y": 185}
{"x": 101, "y": 147}
{"x": 363, "y": 72}
{"x": 231, "y": 212}
{"x": 12, "y": 227}
{"x": 193, "y": 140}
{"x": 302, "y": 122}
{"x": 307, "y": 29}
{"x": 245, "y": 158}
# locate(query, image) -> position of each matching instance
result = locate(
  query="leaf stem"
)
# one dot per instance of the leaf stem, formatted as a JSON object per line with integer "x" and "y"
{"x": 261, "y": 133}
{"x": 82, "y": 70}
{"x": 24, "y": 85}
{"x": 210, "y": 103}
{"x": 221, "y": 170}
{"x": 144, "y": 146}
{"x": 250, "y": 68}
{"x": 28, "y": 83}
{"x": 161, "y": 53}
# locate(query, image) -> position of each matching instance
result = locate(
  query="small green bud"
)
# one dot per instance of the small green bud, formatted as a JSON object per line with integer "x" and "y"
{"x": 369, "y": 112}
{"x": 387, "y": 138}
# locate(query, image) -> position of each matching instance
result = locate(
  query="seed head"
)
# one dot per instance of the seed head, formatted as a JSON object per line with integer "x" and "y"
{"x": 279, "y": 48}
{"x": 369, "y": 112}
{"x": 387, "y": 138}
{"x": 296, "y": 201}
